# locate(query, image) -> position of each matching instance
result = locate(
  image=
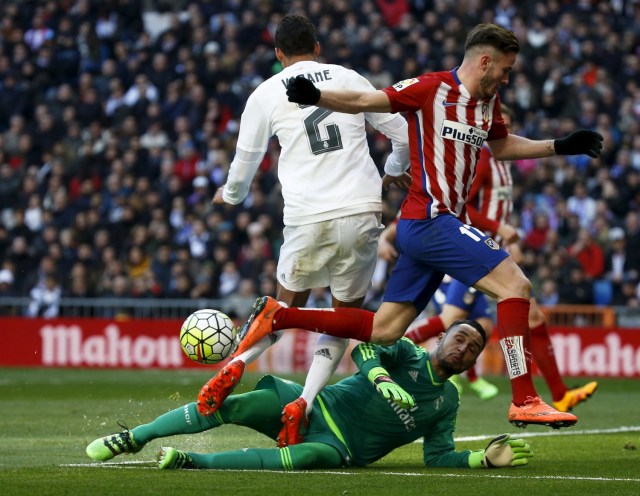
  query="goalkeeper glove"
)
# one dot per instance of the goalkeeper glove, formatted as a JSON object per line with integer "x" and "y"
{"x": 501, "y": 452}
{"x": 392, "y": 391}
{"x": 301, "y": 90}
{"x": 578, "y": 142}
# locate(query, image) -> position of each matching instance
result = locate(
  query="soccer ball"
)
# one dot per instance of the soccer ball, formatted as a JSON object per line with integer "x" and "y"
{"x": 207, "y": 336}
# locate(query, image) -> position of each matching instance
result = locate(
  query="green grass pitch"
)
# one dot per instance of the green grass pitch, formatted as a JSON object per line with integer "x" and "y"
{"x": 48, "y": 416}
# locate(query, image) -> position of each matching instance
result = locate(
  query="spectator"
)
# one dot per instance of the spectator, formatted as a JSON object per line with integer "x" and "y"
{"x": 6, "y": 283}
{"x": 45, "y": 298}
{"x": 589, "y": 254}
{"x": 548, "y": 294}
{"x": 536, "y": 238}
{"x": 619, "y": 266}
{"x": 582, "y": 205}
{"x": 229, "y": 279}
{"x": 7, "y": 290}
{"x": 85, "y": 77}
{"x": 576, "y": 289}
{"x": 161, "y": 267}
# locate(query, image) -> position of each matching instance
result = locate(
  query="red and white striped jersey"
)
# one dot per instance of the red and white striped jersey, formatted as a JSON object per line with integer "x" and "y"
{"x": 447, "y": 129}
{"x": 491, "y": 197}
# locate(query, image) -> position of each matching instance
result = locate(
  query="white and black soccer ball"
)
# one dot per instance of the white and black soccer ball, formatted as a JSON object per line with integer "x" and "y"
{"x": 207, "y": 336}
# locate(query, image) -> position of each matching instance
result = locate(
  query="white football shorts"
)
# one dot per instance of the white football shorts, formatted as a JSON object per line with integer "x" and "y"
{"x": 339, "y": 253}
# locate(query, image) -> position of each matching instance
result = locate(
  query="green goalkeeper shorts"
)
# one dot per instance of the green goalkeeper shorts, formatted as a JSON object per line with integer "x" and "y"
{"x": 319, "y": 430}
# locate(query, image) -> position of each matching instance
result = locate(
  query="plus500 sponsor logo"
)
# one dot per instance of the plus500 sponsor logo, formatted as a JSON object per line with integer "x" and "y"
{"x": 463, "y": 133}
{"x": 67, "y": 346}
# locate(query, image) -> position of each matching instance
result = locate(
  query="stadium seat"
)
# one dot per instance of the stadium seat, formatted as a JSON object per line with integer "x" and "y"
{"x": 602, "y": 292}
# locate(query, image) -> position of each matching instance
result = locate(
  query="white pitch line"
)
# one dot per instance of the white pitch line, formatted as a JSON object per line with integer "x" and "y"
{"x": 616, "y": 430}
{"x": 122, "y": 464}
{"x": 520, "y": 477}
{"x": 484, "y": 475}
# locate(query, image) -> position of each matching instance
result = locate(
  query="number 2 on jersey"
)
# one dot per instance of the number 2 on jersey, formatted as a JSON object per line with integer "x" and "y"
{"x": 312, "y": 128}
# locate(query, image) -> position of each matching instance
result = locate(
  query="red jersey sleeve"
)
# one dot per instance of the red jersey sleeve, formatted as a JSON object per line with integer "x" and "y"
{"x": 410, "y": 95}
{"x": 498, "y": 127}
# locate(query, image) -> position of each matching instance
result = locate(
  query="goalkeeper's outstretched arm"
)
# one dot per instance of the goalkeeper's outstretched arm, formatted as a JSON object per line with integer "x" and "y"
{"x": 502, "y": 451}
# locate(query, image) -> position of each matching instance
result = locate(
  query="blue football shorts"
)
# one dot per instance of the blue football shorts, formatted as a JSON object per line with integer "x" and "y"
{"x": 464, "y": 297}
{"x": 429, "y": 249}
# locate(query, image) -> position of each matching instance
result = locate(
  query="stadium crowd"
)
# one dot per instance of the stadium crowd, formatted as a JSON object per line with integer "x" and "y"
{"x": 118, "y": 121}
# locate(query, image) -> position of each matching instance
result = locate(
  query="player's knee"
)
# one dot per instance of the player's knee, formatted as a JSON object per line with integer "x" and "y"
{"x": 536, "y": 317}
{"x": 386, "y": 335}
{"x": 519, "y": 287}
{"x": 234, "y": 409}
{"x": 391, "y": 322}
{"x": 304, "y": 459}
{"x": 524, "y": 285}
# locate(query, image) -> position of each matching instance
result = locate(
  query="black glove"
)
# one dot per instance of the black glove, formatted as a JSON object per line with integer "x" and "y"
{"x": 301, "y": 90}
{"x": 578, "y": 142}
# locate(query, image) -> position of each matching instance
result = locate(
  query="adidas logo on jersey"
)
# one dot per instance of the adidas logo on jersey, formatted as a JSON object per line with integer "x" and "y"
{"x": 414, "y": 375}
{"x": 325, "y": 353}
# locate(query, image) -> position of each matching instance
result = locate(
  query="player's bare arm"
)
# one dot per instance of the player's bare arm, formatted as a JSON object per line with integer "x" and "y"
{"x": 387, "y": 243}
{"x": 508, "y": 233}
{"x": 354, "y": 102}
{"x": 301, "y": 90}
{"x": 217, "y": 198}
{"x": 512, "y": 147}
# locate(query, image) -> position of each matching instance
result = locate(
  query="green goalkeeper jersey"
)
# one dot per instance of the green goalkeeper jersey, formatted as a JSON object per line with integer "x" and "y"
{"x": 370, "y": 426}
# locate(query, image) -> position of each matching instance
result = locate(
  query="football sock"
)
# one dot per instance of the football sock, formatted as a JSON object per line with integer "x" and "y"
{"x": 298, "y": 457}
{"x": 513, "y": 332}
{"x": 258, "y": 349}
{"x": 545, "y": 359}
{"x": 256, "y": 409}
{"x": 472, "y": 376}
{"x": 343, "y": 322}
{"x": 182, "y": 420}
{"x": 326, "y": 358}
{"x": 429, "y": 329}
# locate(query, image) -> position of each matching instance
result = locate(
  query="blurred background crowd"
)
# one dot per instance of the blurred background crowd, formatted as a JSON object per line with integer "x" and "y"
{"x": 118, "y": 121}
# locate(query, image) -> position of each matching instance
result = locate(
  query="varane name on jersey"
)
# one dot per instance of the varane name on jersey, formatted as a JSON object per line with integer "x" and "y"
{"x": 314, "y": 77}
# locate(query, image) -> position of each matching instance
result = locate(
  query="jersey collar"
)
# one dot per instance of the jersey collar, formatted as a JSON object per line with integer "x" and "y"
{"x": 454, "y": 73}
{"x": 436, "y": 380}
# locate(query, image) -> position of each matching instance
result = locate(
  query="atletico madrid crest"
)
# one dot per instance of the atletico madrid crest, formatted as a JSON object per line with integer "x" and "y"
{"x": 485, "y": 112}
{"x": 492, "y": 244}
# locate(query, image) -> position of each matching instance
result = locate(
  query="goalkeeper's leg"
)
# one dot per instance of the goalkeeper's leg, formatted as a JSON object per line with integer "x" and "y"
{"x": 213, "y": 394}
{"x": 299, "y": 457}
{"x": 326, "y": 358}
{"x": 256, "y": 409}
{"x": 182, "y": 420}
{"x": 260, "y": 410}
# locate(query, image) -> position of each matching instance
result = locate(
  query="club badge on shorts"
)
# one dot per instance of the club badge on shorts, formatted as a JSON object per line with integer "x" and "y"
{"x": 492, "y": 244}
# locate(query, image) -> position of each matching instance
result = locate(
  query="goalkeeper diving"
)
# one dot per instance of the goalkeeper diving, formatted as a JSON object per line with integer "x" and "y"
{"x": 400, "y": 394}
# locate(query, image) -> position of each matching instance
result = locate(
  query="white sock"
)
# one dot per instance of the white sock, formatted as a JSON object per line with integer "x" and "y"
{"x": 326, "y": 358}
{"x": 258, "y": 349}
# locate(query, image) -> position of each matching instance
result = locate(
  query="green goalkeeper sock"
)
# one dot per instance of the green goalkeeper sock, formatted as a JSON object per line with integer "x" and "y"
{"x": 260, "y": 410}
{"x": 183, "y": 420}
{"x": 298, "y": 457}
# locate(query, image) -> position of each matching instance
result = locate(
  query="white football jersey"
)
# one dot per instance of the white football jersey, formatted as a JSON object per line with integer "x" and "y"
{"x": 325, "y": 168}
